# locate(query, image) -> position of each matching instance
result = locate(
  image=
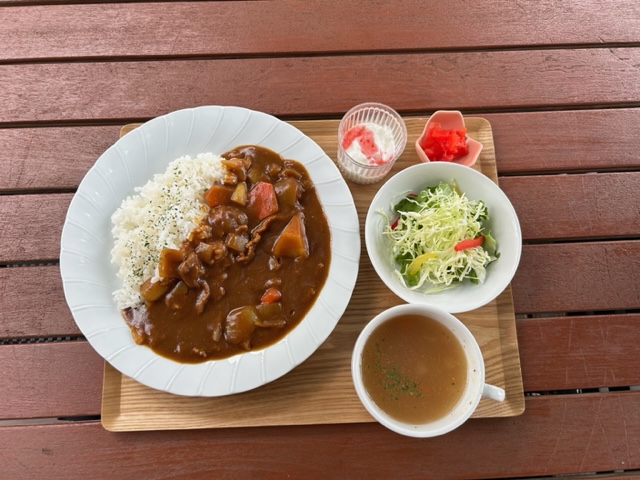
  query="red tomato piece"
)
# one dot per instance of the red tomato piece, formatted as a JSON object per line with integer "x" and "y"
{"x": 262, "y": 200}
{"x": 469, "y": 243}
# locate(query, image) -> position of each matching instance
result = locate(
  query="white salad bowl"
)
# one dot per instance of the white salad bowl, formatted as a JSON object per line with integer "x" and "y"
{"x": 502, "y": 223}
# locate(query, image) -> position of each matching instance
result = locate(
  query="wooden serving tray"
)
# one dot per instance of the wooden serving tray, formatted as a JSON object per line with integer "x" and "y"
{"x": 320, "y": 390}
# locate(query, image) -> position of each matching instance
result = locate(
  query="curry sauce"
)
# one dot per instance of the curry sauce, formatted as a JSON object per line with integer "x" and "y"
{"x": 248, "y": 274}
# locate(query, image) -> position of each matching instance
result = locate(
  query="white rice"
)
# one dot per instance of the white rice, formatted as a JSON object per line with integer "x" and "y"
{"x": 160, "y": 215}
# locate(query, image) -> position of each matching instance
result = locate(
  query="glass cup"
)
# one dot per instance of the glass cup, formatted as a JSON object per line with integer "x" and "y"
{"x": 474, "y": 389}
{"x": 387, "y": 126}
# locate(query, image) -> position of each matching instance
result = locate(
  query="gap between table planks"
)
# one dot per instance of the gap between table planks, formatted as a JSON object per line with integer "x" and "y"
{"x": 320, "y": 389}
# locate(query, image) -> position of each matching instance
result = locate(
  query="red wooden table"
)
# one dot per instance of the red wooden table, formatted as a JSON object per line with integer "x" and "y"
{"x": 560, "y": 84}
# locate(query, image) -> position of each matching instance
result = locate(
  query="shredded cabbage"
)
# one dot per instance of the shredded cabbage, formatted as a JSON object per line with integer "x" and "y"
{"x": 428, "y": 227}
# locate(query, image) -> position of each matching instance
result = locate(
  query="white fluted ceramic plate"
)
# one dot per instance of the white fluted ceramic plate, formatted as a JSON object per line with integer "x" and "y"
{"x": 89, "y": 278}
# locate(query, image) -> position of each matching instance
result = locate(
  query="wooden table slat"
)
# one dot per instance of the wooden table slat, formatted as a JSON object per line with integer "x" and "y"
{"x": 567, "y": 140}
{"x": 50, "y": 157}
{"x": 557, "y": 434}
{"x": 298, "y": 86}
{"x": 49, "y": 380}
{"x": 190, "y": 28}
{"x": 563, "y": 353}
{"x": 33, "y": 303}
{"x": 18, "y": 240}
{"x": 566, "y": 207}
{"x": 597, "y": 276}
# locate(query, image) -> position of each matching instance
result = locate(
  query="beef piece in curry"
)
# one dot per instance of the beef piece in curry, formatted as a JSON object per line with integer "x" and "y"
{"x": 246, "y": 275}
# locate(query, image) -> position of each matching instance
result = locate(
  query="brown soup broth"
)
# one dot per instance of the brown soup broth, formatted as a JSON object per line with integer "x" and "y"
{"x": 414, "y": 368}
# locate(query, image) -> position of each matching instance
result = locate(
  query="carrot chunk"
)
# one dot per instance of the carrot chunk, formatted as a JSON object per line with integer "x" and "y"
{"x": 218, "y": 195}
{"x": 271, "y": 295}
{"x": 292, "y": 241}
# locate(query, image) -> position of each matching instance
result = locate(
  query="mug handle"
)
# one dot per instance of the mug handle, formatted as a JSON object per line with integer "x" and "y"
{"x": 493, "y": 392}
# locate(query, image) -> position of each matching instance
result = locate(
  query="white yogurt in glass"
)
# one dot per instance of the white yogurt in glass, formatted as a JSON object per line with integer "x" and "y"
{"x": 383, "y": 140}
{"x": 371, "y": 137}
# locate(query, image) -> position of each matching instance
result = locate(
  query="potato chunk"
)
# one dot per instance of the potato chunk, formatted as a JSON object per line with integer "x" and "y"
{"x": 152, "y": 291}
{"x": 240, "y": 325}
{"x": 288, "y": 190}
{"x": 170, "y": 260}
{"x": 240, "y": 195}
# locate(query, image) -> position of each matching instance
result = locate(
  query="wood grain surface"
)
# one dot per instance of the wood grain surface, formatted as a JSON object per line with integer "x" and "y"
{"x": 296, "y": 87}
{"x": 50, "y": 380}
{"x": 590, "y": 276}
{"x": 574, "y": 352}
{"x": 45, "y": 313}
{"x": 321, "y": 390}
{"x": 294, "y": 27}
{"x": 557, "y": 80}
{"x": 558, "y": 206}
{"x": 557, "y": 434}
